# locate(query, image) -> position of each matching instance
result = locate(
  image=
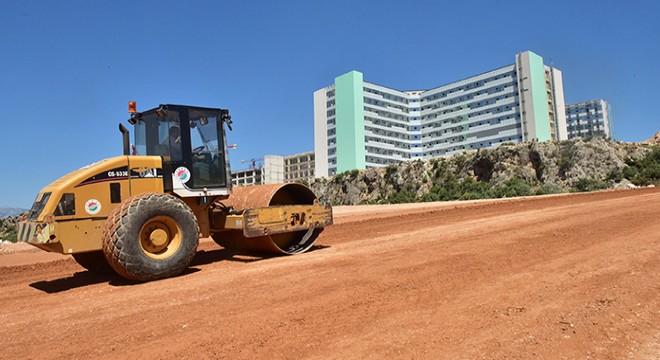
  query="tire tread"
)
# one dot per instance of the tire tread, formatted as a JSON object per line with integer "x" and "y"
{"x": 118, "y": 228}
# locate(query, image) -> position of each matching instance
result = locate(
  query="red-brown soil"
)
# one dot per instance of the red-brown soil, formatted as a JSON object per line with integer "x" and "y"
{"x": 557, "y": 277}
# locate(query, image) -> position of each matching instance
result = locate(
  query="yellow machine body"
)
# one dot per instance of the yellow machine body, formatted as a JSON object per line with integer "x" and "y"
{"x": 97, "y": 189}
{"x": 141, "y": 214}
{"x": 267, "y": 218}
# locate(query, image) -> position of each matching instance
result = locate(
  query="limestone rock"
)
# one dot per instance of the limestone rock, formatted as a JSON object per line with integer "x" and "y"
{"x": 544, "y": 165}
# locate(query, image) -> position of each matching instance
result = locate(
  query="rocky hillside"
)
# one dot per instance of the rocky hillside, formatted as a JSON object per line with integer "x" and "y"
{"x": 8, "y": 228}
{"x": 509, "y": 170}
{"x": 8, "y": 219}
{"x": 654, "y": 140}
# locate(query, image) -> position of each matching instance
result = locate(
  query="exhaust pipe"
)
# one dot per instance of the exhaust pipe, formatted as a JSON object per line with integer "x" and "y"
{"x": 125, "y": 138}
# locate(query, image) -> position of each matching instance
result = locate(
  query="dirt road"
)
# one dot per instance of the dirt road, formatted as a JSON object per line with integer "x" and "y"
{"x": 573, "y": 277}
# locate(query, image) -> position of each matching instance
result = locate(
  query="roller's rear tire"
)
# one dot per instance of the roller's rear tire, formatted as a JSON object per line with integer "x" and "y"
{"x": 93, "y": 261}
{"x": 150, "y": 236}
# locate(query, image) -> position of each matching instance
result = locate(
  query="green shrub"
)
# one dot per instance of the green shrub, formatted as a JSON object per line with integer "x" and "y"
{"x": 438, "y": 174}
{"x": 453, "y": 189}
{"x": 616, "y": 175}
{"x": 402, "y": 197}
{"x": 645, "y": 171}
{"x": 11, "y": 235}
{"x": 566, "y": 159}
{"x": 446, "y": 190}
{"x": 7, "y": 230}
{"x": 390, "y": 170}
{"x": 546, "y": 189}
{"x": 588, "y": 184}
{"x": 347, "y": 175}
{"x": 472, "y": 190}
{"x": 512, "y": 188}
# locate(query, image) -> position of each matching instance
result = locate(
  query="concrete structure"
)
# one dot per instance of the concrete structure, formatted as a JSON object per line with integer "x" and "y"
{"x": 277, "y": 169}
{"x": 358, "y": 124}
{"x": 299, "y": 167}
{"x": 247, "y": 177}
{"x": 273, "y": 169}
{"x": 589, "y": 119}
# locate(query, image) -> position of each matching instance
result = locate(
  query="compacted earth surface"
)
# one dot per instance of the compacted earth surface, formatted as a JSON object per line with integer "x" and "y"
{"x": 553, "y": 277}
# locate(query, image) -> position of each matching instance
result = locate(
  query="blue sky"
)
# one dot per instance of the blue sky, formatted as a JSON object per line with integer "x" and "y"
{"x": 69, "y": 68}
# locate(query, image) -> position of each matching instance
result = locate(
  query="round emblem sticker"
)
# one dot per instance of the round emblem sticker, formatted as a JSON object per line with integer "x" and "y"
{"x": 183, "y": 174}
{"x": 92, "y": 206}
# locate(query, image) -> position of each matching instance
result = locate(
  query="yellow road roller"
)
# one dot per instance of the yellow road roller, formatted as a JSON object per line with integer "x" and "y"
{"x": 141, "y": 214}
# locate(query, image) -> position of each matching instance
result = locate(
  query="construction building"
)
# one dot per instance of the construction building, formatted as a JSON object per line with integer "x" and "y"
{"x": 589, "y": 119}
{"x": 359, "y": 124}
{"x": 276, "y": 169}
{"x": 299, "y": 167}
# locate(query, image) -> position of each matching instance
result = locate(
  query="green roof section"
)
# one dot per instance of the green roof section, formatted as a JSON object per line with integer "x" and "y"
{"x": 539, "y": 98}
{"x": 349, "y": 115}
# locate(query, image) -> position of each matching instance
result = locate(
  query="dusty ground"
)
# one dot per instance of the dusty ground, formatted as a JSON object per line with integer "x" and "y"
{"x": 573, "y": 277}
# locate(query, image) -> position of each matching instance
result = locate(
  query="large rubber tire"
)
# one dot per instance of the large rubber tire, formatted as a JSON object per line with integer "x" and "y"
{"x": 150, "y": 236}
{"x": 93, "y": 261}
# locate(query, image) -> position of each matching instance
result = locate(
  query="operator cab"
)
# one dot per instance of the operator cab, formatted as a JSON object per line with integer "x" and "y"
{"x": 191, "y": 142}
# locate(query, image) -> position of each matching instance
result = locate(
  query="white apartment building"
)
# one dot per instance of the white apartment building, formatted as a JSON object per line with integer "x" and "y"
{"x": 358, "y": 124}
{"x": 589, "y": 119}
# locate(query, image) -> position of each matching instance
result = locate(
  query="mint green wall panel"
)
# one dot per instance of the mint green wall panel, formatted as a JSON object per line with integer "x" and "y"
{"x": 349, "y": 114}
{"x": 539, "y": 98}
